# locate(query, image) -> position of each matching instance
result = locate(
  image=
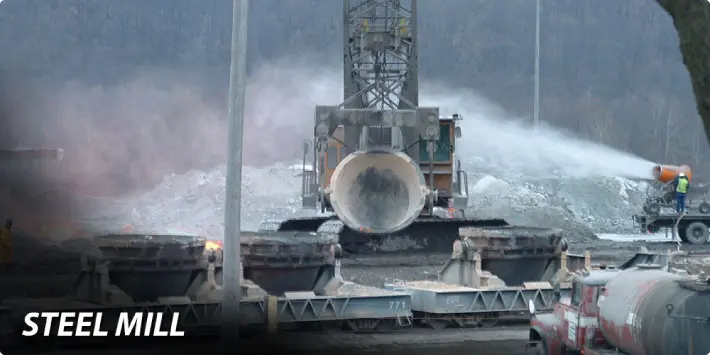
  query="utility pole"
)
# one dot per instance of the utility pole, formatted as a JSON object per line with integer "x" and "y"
{"x": 237, "y": 83}
{"x": 536, "y": 104}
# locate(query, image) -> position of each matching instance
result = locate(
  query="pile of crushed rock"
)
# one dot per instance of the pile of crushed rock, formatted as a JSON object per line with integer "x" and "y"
{"x": 194, "y": 202}
{"x": 582, "y": 206}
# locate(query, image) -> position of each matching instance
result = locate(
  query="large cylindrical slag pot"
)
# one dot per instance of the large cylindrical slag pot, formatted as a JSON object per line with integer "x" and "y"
{"x": 377, "y": 191}
{"x": 652, "y": 312}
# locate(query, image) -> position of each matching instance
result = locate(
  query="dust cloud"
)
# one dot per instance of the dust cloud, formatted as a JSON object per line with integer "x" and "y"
{"x": 125, "y": 138}
{"x": 279, "y": 115}
{"x": 498, "y": 141}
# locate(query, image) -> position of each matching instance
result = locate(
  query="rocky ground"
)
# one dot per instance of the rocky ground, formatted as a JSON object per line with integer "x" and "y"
{"x": 194, "y": 202}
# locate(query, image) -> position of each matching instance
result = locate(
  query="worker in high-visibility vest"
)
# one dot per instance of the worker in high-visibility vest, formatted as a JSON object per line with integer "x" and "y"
{"x": 681, "y": 190}
{"x": 6, "y": 244}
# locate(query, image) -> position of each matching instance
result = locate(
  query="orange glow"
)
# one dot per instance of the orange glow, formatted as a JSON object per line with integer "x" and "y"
{"x": 213, "y": 245}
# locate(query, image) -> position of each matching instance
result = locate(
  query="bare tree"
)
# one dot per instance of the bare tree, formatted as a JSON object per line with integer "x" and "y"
{"x": 672, "y": 128}
{"x": 699, "y": 136}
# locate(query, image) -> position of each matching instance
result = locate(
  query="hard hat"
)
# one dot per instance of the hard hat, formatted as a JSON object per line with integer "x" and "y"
{"x": 681, "y": 174}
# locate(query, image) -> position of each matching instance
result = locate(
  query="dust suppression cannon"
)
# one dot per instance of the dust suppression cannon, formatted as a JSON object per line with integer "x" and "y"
{"x": 659, "y": 209}
{"x": 661, "y": 192}
{"x": 667, "y": 173}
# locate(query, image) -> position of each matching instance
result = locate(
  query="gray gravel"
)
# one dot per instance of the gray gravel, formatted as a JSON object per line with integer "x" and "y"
{"x": 194, "y": 202}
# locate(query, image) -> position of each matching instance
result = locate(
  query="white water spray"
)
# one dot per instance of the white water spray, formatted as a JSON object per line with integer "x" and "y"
{"x": 494, "y": 141}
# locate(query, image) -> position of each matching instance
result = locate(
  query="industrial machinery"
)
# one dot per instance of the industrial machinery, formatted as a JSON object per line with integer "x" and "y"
{"x": 642, "y": 310}
{"x": 661, "y": 192}
{"x": 289, "y": 280}
{"x": 659, "y": 208}
{"x": 478, "y": 286}
{"x": 292, "y": 281}
{"x": 386, "y": 167}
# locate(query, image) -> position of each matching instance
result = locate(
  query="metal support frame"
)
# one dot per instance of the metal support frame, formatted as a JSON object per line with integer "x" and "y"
{"x": 424, "y": 121}
{"x": 380, "y": 85}
{"x": 253, "y": 311}
{"x": 381, "y": 99}
{"x": 380, "y": 79}
{"x": 440, "y": 298}
{"x": 380, "y": 55}
{"x": 472, "y": 296}
{"x": 284, "y": 310}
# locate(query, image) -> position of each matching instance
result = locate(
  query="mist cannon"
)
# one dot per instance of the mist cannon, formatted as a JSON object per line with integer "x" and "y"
{"x": 377, "y": 191}
{"x": 667, "y": 173}
{"x": 661, "y": 192}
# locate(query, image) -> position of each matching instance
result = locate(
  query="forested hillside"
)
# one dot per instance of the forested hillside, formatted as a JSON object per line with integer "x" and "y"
{"x": 610, "y": 71}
